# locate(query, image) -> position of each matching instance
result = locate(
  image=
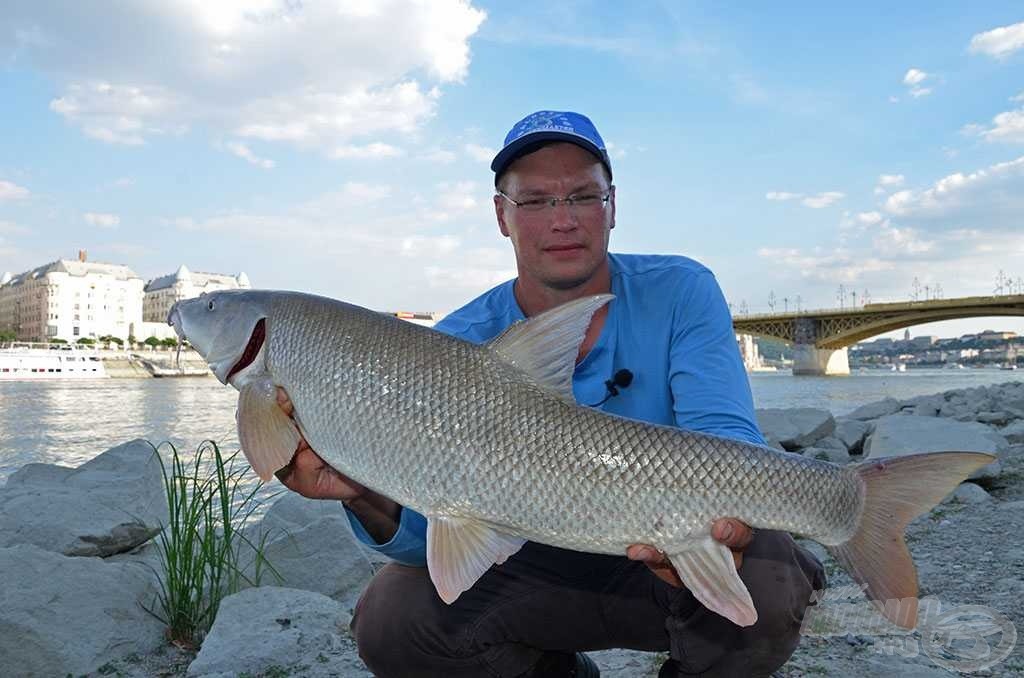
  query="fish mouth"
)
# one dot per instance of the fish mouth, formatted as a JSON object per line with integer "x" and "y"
{"x": 252, "y": 349}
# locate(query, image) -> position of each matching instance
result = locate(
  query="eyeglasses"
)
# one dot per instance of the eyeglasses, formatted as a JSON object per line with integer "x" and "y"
{"x": 582, "y": 201}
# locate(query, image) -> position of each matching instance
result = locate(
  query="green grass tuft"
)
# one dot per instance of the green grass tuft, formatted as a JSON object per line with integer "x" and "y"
{"x": 203, "y": 551}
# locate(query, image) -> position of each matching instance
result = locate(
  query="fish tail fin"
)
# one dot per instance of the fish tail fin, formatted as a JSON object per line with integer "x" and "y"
{"x": 897, "y": 490}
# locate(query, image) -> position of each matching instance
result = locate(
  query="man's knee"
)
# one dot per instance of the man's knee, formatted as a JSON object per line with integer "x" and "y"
{"x": 397, "y": 621}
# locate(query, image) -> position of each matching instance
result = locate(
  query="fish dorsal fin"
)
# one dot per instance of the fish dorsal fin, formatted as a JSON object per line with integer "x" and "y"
{"x": 546, "y": 345}
{"x": 460, "y": 550}
{"x": 709, "y": 571}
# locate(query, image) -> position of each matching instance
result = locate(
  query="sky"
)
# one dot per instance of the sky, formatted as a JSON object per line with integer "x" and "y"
{"x": 343, "y": 148}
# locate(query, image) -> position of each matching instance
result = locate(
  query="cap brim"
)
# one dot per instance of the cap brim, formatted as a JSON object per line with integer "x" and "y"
{"x": 507, "y": 155}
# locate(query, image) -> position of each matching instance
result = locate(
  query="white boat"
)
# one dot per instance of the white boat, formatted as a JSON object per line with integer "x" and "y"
{"x": 898, "y": 367}
{"x": 1008, "y": 366}
{"x": 24, "y": 361}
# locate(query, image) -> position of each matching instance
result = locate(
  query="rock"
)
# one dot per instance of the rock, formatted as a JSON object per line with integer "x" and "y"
{"x": 881, "y": 408}
{"x": 795, "y": 428}
{"x": 994, "y": 418}
{"x": 1014, "y": 433}
{"x": 69, "y": 616}
{"x": 1014, "y": 406}
{"x": 323, "y": 557}
{"x": 900, "y": 435}
{"x": 296, "y": 632}
{"x": 968, "y": 493}
{"x": 831, "y": 443}
{"x": 924, "y": 406}
{"x": 852, "y": 432}
{"x": 108, "y": 505}
{"x": 832, "y": 454}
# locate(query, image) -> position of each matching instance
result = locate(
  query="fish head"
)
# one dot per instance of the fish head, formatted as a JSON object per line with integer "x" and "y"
{"x": 227, "y": 328}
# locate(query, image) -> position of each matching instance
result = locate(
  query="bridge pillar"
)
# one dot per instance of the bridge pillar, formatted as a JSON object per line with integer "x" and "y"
{"x": 810, "y": 360}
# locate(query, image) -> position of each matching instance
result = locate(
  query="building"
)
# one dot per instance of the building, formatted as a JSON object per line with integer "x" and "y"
{"x": 71, "y": 300}
{"x": 161, "y": 293}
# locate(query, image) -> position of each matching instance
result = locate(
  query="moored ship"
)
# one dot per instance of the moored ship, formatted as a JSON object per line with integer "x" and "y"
{"x": 25, "y": 361}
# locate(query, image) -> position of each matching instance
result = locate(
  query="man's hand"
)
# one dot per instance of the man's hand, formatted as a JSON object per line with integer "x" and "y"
{"x": 310, "y": 476}
{"x": 731, "y": 532}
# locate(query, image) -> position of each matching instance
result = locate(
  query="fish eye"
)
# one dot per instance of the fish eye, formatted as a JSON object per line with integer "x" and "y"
{"x": 210, "y": 305}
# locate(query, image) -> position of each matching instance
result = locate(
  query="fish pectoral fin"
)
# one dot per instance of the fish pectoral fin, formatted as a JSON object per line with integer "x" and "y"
{"x": 546, "y": 345}
{"x": 459, "y": 551}
{"x": 709, "y": 571}
{"x": 268, "y": 436}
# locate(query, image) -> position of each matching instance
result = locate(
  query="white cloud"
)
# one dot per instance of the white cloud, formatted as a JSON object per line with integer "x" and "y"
{"x": 914, "y": 80}
{"x": 480, "y": 153}
{"x": 782, "y": 195}
{"x": 1006, "y": 127}
{"x": 1019, "y": 97}
{"x": 374, "y": 151}
{"x": 989, "y": 198}
{"x": 894, "y": 99}
{"x": 244, "y": 152}
{"x": 103, "y": 220}
{"x": 914, "y": 77}
{"x": 313, "y": 75}
{"x": 11, "y": 191}
{"x": 888, "y": 181}
{"x": 870, "y": 218}
{"x": 122, "y": 114}
{"x": 901, "y": 241}
{"x": 821, "y": 200}
{"x": 123, "y": 182}
{"x": 999, "y": 42}
{"x": 458, "y": 196}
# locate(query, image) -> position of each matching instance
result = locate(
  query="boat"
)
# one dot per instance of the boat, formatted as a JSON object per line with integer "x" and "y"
{"x": 898, "y": 367}
{"x": 30, "y": 361}
{"x": 1008, "y": 366}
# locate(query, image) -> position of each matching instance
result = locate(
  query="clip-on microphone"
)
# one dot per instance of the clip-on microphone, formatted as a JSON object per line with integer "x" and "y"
{"x": 621, "y": 379}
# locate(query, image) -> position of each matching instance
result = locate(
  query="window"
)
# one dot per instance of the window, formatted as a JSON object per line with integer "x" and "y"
{"x": 74, "y": 330}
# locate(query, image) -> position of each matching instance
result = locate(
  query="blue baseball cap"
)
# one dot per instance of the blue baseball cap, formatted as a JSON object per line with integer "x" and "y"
{"x": 574, "y": 128}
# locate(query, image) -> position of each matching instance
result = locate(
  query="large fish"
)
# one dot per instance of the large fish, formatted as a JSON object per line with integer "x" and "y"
{"x": 488, "y": 443}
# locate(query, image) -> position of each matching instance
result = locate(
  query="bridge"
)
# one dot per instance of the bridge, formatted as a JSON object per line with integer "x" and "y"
{"x": 820, "y": 337}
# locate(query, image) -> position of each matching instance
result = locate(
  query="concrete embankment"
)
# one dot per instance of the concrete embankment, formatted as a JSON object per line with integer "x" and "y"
{"x": 121, "y": 365}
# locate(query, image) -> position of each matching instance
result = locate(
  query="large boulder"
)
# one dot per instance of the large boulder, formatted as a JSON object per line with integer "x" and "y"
{"x": 1014, "y": 433}
{"x": 881, "y": 408}
{"x": 108, "y": 505}
{"x": 795, "y": 428}
{"x": 311, "y": 546}
{"x": 852, "y": 433}
{"x": 287, "y": 631}
{"x": 64, "y": 616}
{"x": 899, "y": 435}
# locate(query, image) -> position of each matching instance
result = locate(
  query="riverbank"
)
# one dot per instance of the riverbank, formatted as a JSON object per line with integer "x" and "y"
{"x": 967, "y": 551}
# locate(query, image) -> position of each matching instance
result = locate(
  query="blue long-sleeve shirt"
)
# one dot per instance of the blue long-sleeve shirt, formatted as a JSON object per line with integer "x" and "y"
{"x": 668, "y": 324}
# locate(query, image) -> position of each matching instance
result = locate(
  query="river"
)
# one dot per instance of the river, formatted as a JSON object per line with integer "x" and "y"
{"x": 68, "y": 423}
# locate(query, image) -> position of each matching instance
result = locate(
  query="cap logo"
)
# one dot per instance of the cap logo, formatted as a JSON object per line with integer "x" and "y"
{"x": 544, "y": 121}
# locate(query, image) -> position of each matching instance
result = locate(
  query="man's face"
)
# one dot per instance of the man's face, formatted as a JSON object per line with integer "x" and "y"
{"x": 561, "y": 247}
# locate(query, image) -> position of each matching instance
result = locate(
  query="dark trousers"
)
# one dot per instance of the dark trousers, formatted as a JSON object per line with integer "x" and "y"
{"x": 545, "y": 600}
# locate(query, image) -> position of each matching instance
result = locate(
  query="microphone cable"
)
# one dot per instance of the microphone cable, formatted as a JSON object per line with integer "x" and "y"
{"x": 621, "y": 379}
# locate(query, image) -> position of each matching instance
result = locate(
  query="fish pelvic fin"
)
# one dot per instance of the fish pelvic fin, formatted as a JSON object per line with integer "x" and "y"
{"x": 460, "y": 551}
{"x": 897, "y": 490}
{"x": 546, "y": 345}
{"x": 268, "y": 436}
{"x": 709, "y": 571}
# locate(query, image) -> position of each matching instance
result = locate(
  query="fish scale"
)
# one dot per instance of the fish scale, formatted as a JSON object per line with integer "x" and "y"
{"x": 488, "y": 443}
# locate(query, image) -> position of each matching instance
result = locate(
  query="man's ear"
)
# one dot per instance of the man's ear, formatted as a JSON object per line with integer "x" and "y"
{"x": 499, "y": 212}
{"x": 611, "y": 190}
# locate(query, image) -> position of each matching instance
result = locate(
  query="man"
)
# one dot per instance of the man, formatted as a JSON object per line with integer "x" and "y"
{"x": 669, "y": 327}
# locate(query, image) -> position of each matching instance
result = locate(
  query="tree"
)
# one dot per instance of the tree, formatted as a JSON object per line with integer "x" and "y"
{"x": 8, "y": 335}
{"x": 86, "y": 341}
{"x": 55, "y": 340}
{"x": 152, "y": 341}
{"x": 169, "y": 342}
